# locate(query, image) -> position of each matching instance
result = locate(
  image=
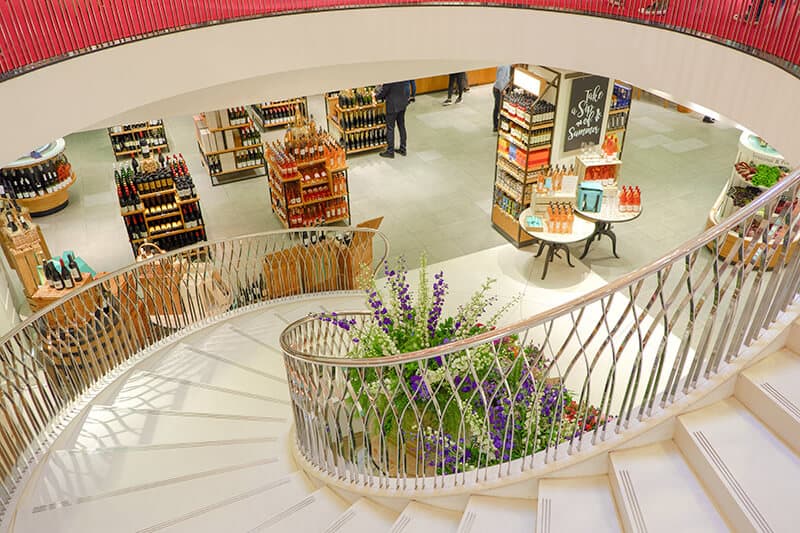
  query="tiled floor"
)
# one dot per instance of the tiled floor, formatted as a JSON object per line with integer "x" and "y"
{"x": 437, "y": 199}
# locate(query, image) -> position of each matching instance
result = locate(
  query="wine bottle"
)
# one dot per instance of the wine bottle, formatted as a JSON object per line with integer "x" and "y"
{"x": 65, "y": 275}
{"x": 58, "y": 281}
{"x": 74, "y": 269}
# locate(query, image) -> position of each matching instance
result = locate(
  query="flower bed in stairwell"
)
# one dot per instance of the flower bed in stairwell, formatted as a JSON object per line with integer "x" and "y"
{"x": 478, "y": 407}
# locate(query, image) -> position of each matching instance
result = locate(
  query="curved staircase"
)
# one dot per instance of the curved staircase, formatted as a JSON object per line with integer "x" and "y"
{"x": 196, "y": 438}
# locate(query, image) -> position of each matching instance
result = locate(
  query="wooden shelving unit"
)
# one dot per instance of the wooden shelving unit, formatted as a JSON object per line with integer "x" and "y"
{"x": 279, "y": 113}
{"x": 127, "y": 139}
{"x": 524, "y": 146}
{"x": 230, "y": 145}
{"x": 178, "y": 212}
{"x": 309, "y": 192}
{"x": 359, "y": 126}
{"x": 618, "y": 115}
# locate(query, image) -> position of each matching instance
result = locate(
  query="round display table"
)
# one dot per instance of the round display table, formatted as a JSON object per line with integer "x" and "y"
{"x": 602, "y": 226}
{"x": 581, "y": 230}
{"x": 45, "y": 204}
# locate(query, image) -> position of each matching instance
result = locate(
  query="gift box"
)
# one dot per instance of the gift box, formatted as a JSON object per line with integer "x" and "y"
{"x": 590, "y": 196}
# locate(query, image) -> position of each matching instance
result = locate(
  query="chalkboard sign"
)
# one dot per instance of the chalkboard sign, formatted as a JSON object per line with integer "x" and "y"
{"x": 587, "y": 103}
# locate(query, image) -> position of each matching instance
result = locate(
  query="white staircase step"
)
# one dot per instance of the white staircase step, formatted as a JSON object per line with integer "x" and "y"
{"x": 184, "y": 362}
{"x": 168, "y": 507}
{"x": 770, "y": 390}
{"x": 313, "y": 514}
{"x": 651, "y": 482}
{"x": 110, "y": 427}
{"x": 421, "y": 518}
{"x": 240, "y": 347}
{"x": 73, "y": 475}
{"x": 486, "y": 513}
{"x": 576, "y": 504}
{"x": 146, "y": 390}
{"x": 364, "y": 516}
{"x": 752, "y": 475}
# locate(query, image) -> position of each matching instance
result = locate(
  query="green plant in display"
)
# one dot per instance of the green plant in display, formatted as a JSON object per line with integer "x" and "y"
{"x": 766, "y": 176}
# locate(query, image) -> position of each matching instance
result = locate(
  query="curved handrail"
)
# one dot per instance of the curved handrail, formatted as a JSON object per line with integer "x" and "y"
{"x": 614, "y": 355}
{"x": 40, "y": 34}
{"x": 53, "y": 360}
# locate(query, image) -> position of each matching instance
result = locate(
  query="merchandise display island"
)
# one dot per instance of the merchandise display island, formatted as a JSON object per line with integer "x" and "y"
{"x": 40, "y": 181}
{"x": 758, "y": 167}
{"x": 358, "y": 120}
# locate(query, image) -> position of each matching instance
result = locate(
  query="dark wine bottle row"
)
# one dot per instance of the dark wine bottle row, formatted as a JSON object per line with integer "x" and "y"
{"x": 61, "y": 276}
{"x": 362, "y": 118}
{"x": 277, "y": 113}
{"x": 37, "y": 180}
{"x": 364, "y": 139}
{"x": 127, "y": 142}
{"x": 356, "y": 97}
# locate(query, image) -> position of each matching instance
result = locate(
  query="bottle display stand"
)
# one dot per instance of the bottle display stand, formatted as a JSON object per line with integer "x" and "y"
{"x": 307, "y": 178}
{"x": 24, "y": 247}
{"x": 617, "y": 117}
{"x": 278, "y": 113}
{"x": 358, "y": 120}
{"x": 159, "y": 204}
{"x": 230, "y": 145}
{"x": 40, "y": 182}
{"x": 127, "y": 139}
{"x": 738, "y": 191}
{"x": 524, "y": 141}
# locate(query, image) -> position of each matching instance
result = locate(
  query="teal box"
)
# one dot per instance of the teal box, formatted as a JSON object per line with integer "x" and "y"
{"x": 590, "y": 196}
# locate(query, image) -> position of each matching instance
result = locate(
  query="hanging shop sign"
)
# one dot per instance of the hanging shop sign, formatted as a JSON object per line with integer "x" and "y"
{"x": 587, "y": 104}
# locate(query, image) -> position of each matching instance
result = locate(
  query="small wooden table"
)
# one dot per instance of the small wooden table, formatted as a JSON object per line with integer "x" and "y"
{"x": 581, "y": 230}
{"x": 602, "y": 226}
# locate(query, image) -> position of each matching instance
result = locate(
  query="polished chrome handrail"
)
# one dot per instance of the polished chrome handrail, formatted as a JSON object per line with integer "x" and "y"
{"x": 34, "y": 36}
{"x": 512, "y": 399}
{"x": 53, "y": 361}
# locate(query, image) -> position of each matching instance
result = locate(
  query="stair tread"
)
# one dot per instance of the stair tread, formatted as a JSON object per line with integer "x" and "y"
{"x": 315, "y": 512}
{"x": 111, "y": 427}
{"x": 755, "y": 465}
{"x": 576, "y": 504}
{"x": 778, "y": 375}
{"x": 364, "y": 516}
{"x": 172, "y": 505}
{"x": 148, "y": 390}
{"x": 238, "y": 345}
{"x": 419, "y": 517}
{"x": 69, "y": 475}
{"x": 485, "y": 513}
{"x": 655, "y": 480}
{"x": 184, "y": 362}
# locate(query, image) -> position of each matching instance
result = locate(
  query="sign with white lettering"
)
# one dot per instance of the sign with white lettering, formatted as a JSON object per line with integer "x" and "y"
{"x": 587, "y": 103}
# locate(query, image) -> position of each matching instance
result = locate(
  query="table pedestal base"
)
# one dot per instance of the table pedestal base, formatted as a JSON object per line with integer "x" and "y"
{"x": 552, "y": 251}
{"x": 600, "y": 229}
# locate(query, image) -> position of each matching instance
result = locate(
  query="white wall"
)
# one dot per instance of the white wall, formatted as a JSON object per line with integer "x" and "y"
{"x": 240, "y": 63}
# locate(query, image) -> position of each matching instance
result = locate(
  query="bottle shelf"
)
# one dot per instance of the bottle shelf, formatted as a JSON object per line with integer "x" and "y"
{"x": 138, "y": 150}
{"x": 619, "y": 110}
{"x": 171, "y": 190}
{"x": 615, "y": 130}
{"x": 359, "y": 107}
{"x": 355, "y": 130}
{"x": 282, "y": 103}
{"x": 248, "y": 124}
{"x": 236, "y": 149}
{"x": 509, "y": 192}
{"x": 47, "y": 204}
{"x": 137, "y": 130}
{"x": 528, "y": 126}
{"x": 367, "y": 148}
{"x": 149, "y": 218}
{"x": 319, "y": 200}
{"x": 234, "y": 170}
{"x": 169, "y": 233}
{"x": 522, "y": 144}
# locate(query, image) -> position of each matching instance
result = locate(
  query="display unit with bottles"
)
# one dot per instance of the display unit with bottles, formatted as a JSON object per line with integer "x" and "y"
{"x": 617, "y": 117}
{"x": 307, "y": 177}
{"x": 39, "y": 181}
{"x": 230, "y": 145}
{"x": 756, "y": 168}
{"x": 158, "y": 202}
{"x": 357, "y": 119}
{"x": 279, "y": 113}
{"x": 127, "y": 139}
{"x": 525, "y": 136}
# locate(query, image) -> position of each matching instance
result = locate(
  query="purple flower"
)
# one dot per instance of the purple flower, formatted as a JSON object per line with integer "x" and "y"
{"x": 419, "y": 388}
{"x": 439, "y": 292}
{"x": 466, "y": 384}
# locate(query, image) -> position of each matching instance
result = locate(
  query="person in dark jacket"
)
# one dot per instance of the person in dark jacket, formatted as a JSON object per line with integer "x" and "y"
{"x": 396, "y": 95}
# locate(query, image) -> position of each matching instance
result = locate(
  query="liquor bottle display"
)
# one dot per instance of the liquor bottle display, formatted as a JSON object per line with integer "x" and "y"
{"x": 230, "y": 144}
{"x": 523, "y": 174}
{"x": 279, "y": 113}
{"x": 307, "y": 177}
{"x": 128, "y": 139}
{"x": 617, "y": 121}
{"x": 39, "y": 181}
{"x": 160, "y": 204}
{"x": 358, "y": 118}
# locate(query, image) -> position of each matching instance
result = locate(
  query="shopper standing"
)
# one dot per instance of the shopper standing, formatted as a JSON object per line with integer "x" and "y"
{"x": 396, "y": 95}
{"x": 457, "y": 79}
{"x": 501, "y": 79}
{"x": 413, "y": 84}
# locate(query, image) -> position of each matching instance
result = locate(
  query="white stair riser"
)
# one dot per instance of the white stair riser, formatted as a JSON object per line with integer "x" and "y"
{"x": 772, "y": 408}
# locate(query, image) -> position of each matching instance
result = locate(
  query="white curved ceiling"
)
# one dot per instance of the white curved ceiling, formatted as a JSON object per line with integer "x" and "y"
{"x": 271, "y": 58}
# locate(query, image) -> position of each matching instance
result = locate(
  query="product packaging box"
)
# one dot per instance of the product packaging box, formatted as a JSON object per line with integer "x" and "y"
{"x": 212, "y": 119}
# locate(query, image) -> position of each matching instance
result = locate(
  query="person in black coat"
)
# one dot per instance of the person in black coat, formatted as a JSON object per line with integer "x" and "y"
{"x": 396, "y": 95}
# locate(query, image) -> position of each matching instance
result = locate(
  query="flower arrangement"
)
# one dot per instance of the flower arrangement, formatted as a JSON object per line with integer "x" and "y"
{"x": 475, "y": 407}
